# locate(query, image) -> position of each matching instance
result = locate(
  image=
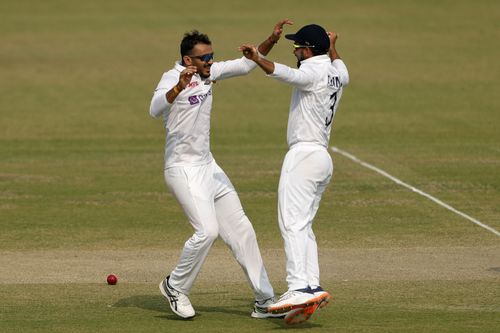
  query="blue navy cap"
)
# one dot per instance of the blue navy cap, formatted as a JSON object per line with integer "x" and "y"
{"x": 313, "y": 36}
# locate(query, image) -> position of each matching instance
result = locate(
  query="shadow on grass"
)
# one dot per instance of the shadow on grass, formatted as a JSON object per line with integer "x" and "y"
{"x": 158, "y": 303}
{"x": 280, "y": 324}
{"x": 146, "y": 302}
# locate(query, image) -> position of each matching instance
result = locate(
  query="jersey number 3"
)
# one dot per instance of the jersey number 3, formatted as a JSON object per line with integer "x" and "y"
{"x": 333, "y": 100}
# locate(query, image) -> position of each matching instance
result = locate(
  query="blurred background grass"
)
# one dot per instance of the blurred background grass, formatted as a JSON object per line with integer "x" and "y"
{"x": 81, "y": 161}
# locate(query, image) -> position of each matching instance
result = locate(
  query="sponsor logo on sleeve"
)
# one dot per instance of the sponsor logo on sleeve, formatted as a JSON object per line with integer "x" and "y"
{"x": 193, "y": 100}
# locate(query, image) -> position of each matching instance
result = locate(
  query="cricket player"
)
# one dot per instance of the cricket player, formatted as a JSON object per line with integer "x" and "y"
{"x": 183, "y": 98}
{"x": 307, "y": 169}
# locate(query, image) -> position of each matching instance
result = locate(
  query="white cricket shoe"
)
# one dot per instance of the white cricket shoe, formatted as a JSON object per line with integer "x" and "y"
{"x": 260, "y": 309}
{"x": 179, "y": 303}
{"x": 300, "y": 315}
{"x": 293, "y": 299}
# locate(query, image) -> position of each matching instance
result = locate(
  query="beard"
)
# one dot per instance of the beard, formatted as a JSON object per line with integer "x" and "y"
{"x": 299, "y": 57}
{"x": 205, "y": 76}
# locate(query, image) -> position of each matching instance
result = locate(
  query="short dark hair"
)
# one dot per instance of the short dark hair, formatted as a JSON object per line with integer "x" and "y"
{"x": 191, "y": 39}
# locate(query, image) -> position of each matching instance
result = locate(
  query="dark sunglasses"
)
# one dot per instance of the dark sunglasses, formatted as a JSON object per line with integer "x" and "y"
{"x": 205, "y": 57}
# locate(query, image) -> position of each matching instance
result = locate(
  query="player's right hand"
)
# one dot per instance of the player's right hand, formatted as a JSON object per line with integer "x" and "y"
{"x": 186, "y": 76}
{"x": 249, "y": 51}
{"x": 278, "y": 29}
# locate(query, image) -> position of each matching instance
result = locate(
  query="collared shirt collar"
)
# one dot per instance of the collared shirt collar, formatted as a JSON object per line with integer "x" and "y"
{"x": 178, "y": 66}
{"x": 318, "y": 58}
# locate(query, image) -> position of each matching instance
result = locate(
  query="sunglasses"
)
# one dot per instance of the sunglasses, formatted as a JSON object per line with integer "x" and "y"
{"x": 205, "y": 57}
{"x": 298, "y": 46}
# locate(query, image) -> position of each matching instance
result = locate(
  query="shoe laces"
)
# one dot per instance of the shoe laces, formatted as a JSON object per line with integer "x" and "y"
{"x": 292, "y": 293}
{"x": 317, "y": 289}
{"x": 288, "y": 294}
{"x": 183, "y": 299}
{"x": 177, "y": 296}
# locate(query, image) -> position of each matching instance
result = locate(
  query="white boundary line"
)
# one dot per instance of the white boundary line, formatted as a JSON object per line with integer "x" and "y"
{"x": 400, "y": 182}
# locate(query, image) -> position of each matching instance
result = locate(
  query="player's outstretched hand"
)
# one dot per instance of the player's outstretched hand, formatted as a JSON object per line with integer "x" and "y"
{"x": 186, "y": 76}
{"x": 278, "y": 29}
{"x": 333, "y": 37}
{"x": 249, "y": 51}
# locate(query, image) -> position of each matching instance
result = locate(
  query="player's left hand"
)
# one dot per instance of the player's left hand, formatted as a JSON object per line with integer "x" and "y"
{"x": 333, "y": 37}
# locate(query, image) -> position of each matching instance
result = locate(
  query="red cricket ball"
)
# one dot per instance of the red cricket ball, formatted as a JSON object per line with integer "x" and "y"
{"x": 112, "y": 279}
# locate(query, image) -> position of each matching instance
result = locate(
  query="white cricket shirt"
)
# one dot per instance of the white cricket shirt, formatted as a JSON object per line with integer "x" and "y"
{"x": 317, "y": 89}
{"x": 187, "y": 119}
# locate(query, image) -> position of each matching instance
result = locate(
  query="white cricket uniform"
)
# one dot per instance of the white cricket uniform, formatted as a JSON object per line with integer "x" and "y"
{"x": 308, "y": 167}
{"x": 205, "y": 193}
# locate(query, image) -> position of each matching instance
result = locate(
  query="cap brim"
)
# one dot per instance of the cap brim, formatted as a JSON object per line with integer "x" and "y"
{"x": 291, "y": 37}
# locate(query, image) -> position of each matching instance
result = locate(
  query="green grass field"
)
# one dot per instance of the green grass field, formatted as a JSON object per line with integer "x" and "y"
{"x": 81, "y": 183}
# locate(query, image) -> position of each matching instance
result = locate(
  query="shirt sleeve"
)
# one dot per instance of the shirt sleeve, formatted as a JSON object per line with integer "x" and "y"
{"x": 225, "y": 69}
{"x": 159, "y": 103}
{"x": 342, "y": 69}
{"x": 298, "y": 78}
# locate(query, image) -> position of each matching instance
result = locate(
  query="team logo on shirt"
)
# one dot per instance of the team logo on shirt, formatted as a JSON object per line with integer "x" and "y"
{"x": 192, "y": 84}
{"x": 195, "y": 99}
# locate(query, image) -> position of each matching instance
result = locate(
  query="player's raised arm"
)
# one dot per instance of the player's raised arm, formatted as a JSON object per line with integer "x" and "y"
{"x": 297, "y": 78}
{"x": 226, "y": 69}
{"x": 250, "y": 52}
{"x": 266, "y": 46}
{"x": 332, "y": 52}
{"x": 336, "y": 60}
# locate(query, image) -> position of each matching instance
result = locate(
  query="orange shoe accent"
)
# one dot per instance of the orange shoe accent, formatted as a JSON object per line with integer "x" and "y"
{"x": 300, "y": 315}
{"x": 325, "y": 300}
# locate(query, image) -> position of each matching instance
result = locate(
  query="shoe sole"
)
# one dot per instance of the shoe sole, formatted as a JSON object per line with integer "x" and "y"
{"x": 167, "y": 296}
{"x": 289, "y": 307}
{"x": 325, "y": 301}
{"x": 300, "y": 315}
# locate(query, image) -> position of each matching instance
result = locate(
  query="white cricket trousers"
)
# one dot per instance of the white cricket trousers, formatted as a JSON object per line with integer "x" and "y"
{"x": 213, "y": 208}
{"x": 307, "y": 170}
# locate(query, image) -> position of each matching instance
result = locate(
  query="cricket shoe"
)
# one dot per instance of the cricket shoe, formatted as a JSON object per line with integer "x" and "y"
{"x": 293, "y": 299}
{"x": 260, "y": 309}
{"x": 323, "y": 295}
{"x": 179, "y": 303}
{"x": 300, "y": 315}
